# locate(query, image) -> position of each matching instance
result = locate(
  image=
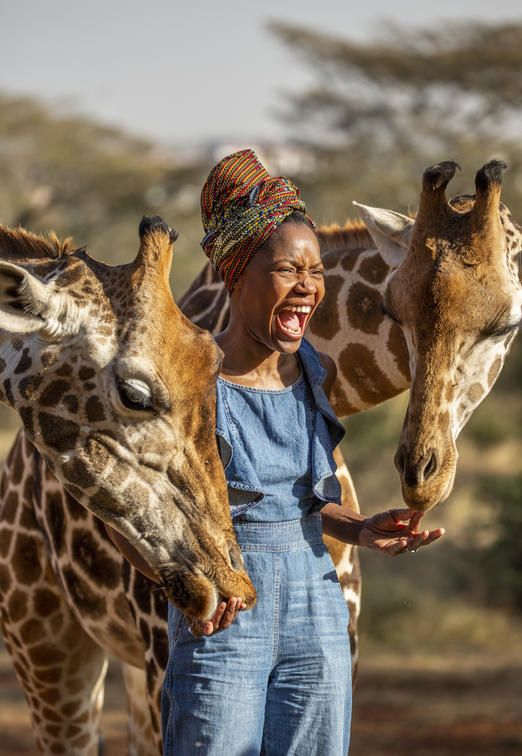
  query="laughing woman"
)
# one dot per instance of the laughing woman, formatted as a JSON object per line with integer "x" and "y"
{"x": 277, "y": 681}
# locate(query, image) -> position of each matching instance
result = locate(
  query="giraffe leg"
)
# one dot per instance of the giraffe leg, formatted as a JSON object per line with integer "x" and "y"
{"x": 141, "y": 737}
{"x": 60, "y": 668}
{"x": 346, "y": 561}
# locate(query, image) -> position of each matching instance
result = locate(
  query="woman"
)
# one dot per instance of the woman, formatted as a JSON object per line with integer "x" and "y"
{"x": 278, "y": 680}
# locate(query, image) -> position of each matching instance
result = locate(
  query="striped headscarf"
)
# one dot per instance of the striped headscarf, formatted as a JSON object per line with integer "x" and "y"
{"x": 241, "y": 205}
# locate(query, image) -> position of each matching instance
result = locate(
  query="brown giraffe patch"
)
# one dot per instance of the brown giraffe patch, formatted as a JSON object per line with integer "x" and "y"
{"x": 323, "y": 324}
{"x": 46, "y": 654}
{"x": 17, "y": 469}
{"x": 26, "y": 416}
{"x": 364, "y": 308}
{"x": 52, "y": 393}
{"x": 5, "y": 579}
{"x": 70, "y": 708}
{"x": 141, "y": 592}
{"x": 373, "y": 269}
{"x": 8, "y": 391}
{"x": 85, "y": 373}
{"x": 27, "y": 519}
{"x": 65, "y": 370}
{"x": 58, "y": 433}
{"x": 32, "y": 631}
{"x": 145, "y": 632}
{"x": 24, "y": 363}
{"x": 120, "y": 632}
{"x": 83, "y": 740}
{"x": 77, "y": 472}
{"x": 94, "y": 410}
{"x": 160, "y": 644}
{"x": 121, "y": 606}
{"x": 358, "y": 364}
{"x": 17, "y": 605}
{"x": 25, "y": 562}
{"x": 45, "y": 602}
{"x": 74, "y": 508}
{"x": 6, "y": 536}
{"x": 56, "y": 520}
{"x": 94, "y": 560}
{"x": 71, "y": 403}
{"x": 85, "y": 599}
{"x": 10, "y": 507}
{"x": 348, "y": 261}
{"x": 29, "y": 385}
{"x": 397, "y": 346}
{"x": 51, "y": 715}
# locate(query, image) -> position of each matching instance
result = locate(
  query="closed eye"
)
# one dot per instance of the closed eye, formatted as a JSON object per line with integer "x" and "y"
{"x": 134, "y": 395}
{"x": 497, "y": 331}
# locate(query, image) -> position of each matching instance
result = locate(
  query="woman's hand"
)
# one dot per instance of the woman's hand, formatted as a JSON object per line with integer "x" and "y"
{"x": 387, "y": 533}
{"x": 224, "y": 616}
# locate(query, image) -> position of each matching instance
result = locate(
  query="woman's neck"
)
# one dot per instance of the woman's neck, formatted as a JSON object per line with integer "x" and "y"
{"x": 251, "y": 363}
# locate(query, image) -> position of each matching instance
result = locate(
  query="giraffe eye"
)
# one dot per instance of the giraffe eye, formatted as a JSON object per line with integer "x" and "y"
{"x": 134, "y": 395}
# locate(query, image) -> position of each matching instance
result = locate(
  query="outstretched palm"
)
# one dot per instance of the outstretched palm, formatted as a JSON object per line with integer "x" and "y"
{"x": 395, "y": 532}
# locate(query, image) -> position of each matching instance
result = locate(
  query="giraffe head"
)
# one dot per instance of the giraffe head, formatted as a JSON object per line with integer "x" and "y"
{"x": 456, "y": 292}
{"x": 116, "y": 389}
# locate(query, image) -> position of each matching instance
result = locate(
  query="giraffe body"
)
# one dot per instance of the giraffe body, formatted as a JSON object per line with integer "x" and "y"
{"x": 126, "y": 614}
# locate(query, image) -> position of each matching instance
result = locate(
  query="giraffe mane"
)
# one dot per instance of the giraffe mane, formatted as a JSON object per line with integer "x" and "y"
{"x": 17, "y": 243}
{"x": 353, "y": 235}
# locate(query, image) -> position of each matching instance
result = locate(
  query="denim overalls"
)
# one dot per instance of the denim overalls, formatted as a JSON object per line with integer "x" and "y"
{"x": 278, "y": 681}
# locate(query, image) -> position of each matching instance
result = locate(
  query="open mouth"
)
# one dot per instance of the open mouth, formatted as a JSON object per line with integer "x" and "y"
{"x": 291, "y": 320}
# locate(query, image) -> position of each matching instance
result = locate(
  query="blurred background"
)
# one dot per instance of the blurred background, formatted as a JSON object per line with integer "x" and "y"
{"x": 113, "y": 110}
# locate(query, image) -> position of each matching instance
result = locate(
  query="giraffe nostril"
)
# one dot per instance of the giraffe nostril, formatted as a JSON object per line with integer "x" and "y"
{"x": 236, "y": 558}
{"x": 431, "y": 466}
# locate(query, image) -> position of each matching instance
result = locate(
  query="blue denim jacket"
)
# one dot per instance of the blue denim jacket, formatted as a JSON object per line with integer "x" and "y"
{"x": 244, "y": 487}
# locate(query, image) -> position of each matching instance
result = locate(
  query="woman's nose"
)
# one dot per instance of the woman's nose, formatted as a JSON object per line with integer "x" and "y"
{"x": 306, "y": 283}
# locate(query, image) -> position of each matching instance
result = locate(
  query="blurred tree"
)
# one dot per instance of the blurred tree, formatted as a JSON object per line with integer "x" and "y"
{"x": 379, "y": 111}
{"x": 76, "y": 176}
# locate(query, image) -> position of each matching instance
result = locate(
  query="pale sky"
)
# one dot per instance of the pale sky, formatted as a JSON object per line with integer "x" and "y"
{"x": 187, "y": 71}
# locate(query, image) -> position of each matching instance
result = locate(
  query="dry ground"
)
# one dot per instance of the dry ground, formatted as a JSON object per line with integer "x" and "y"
{"x": 417, "y": 707}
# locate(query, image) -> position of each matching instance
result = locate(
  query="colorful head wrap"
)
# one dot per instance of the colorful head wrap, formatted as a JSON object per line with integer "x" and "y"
{"x": 241, "y": 205}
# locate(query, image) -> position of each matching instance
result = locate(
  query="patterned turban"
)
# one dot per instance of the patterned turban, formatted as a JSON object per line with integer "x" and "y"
{"x": 241, "y": 205}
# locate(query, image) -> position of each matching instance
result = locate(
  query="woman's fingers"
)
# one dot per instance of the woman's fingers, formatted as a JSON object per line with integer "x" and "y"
{"x": 224, "y": 615}
{"x": 421, "y": 539}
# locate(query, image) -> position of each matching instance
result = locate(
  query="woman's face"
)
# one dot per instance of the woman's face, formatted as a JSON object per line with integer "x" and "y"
{"x": 281, "y": 288}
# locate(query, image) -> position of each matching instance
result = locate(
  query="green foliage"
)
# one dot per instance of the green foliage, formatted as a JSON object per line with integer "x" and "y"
{"x": 495, "y": 556}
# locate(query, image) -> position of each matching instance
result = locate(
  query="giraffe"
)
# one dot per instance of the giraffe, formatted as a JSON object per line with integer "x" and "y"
{"x": 361, "y": 262}
{"x": 116, "y": 391}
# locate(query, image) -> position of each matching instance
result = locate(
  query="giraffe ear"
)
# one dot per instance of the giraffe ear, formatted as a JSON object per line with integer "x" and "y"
{"x": 28, "y": 305}
{"x": 390, "y": 231}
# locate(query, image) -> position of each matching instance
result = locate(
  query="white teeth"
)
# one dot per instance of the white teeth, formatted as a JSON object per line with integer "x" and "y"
{"x": 300, "y": 308}
{"x": 291, "y": 331}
